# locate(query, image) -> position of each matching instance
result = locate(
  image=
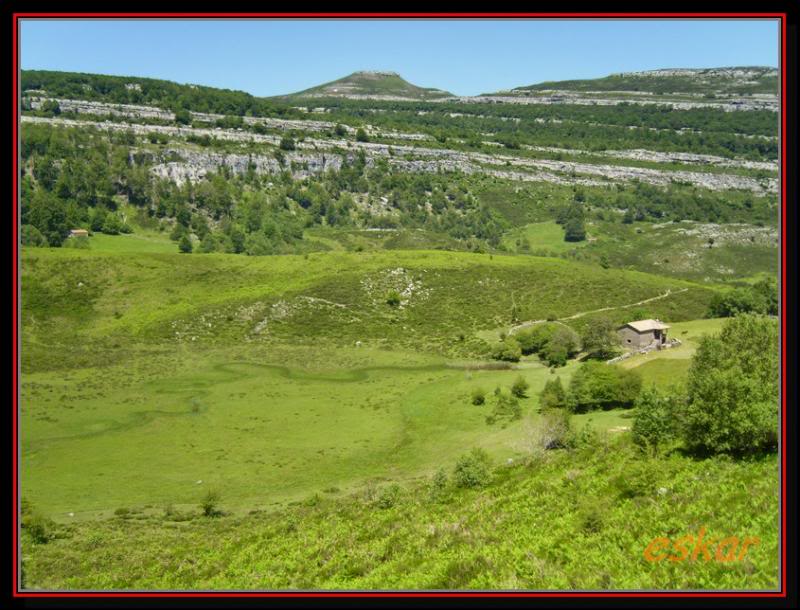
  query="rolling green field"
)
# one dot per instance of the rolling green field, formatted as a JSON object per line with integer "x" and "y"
{"x": 293, "y": 389}
{"x": 259, "y": 433}
{"x": 246, "y": 376}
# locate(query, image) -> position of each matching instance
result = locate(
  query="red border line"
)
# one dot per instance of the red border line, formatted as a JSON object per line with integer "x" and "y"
{"x": 378, "y": 594}
{"x": 14, "y": 249}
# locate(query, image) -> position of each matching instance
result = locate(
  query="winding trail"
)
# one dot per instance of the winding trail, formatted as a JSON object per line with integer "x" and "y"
{"x": 580, "y": 314}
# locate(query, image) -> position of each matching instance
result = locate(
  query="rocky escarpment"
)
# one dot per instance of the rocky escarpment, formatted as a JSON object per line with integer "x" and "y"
{"x": 514, "y": 96}
{"x": 422, "y": 159}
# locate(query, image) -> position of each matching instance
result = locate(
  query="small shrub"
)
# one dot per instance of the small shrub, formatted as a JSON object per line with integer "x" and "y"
{"x": 185, "y": 244}
{"x": 122, "y": 512}
{"x": 555, "y": 429}
{"x": 39, "y": 528}
{"x": 209, "y": 504}
{"x": 520, "y": 387}
{"x": 592, "y": 519}
{"x": 393, "y": 298}
{"x": 478, "y": 396}
{"x": 472, "y": 469}
{"x": 389, "y": 496}
{"x": 508, "y": 351}
{"x": 287, "y": 143}
{"x": 506, "y": 407}
{"x": 438, "y": 484}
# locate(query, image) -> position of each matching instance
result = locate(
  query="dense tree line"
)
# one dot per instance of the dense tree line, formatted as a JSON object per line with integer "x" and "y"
{"x": 78, "y": 178}
{"x": 152, "y": 92}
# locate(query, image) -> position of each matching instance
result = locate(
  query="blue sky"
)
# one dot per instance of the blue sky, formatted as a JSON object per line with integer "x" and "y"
{"x": 467, "y": 57}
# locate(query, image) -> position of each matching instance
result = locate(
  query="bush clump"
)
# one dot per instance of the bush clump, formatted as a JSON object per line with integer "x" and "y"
{"x": 520, "y": 387}
{"x": 507, "y": 351}
{"x": 393, "y": 298}
{"x": 210, "y": 504}
{"x": 472, "y": 469}
{"x": 596, "y": 385}
{"x": 388, "y": 496}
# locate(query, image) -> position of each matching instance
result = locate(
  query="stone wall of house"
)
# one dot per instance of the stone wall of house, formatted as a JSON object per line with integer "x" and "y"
{"x": 631, "y": 339}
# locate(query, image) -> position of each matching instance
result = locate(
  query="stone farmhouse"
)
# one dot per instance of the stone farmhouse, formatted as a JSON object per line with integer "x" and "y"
{"x": 643, "y": 333}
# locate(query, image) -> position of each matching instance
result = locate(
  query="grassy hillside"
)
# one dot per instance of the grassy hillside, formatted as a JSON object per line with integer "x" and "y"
{"x": 577, "y": 519}
{"x": 720, "y": 80}
{"x": 372, "y": 83}
{"x": 275, "y": 377}
{"x": 340, "y": 296}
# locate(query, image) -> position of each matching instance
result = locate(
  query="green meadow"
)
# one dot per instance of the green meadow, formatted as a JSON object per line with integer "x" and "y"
{"x": 149, "y": 378}
{"x": 318, "y": 410}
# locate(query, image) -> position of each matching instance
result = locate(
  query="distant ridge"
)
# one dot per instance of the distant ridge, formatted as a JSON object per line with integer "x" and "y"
{"x": 738, "y": 79}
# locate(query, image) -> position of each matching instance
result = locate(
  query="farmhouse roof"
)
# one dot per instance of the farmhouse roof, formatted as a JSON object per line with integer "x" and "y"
{"x": 643, "y": 326}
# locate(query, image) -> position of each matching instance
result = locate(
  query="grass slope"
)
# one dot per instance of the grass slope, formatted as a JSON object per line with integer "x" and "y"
{"x": 275, "y": 377}
{"x": 564, "y": 520}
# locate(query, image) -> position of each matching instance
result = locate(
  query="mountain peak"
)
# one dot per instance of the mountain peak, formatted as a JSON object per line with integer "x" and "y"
{"x": 372, "y": 83}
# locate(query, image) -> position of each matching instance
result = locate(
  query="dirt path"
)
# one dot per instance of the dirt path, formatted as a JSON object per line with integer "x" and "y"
{"x": 580, "y": 314}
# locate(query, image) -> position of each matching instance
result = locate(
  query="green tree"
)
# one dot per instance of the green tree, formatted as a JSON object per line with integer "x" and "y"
{"x": 237, "y": 238}
{"x": 48, "y": 214}
{"x": 185, "y": 244}
{"x": 563, "y": 344}
{"x": 51, "y": 107}
{"x": 208, "y": 244}
{"x": 600, "y": 338}
{"x": 31, "y": 236}
{"x": 178, "y": 231}
{"x": 553, "y": 395}
{"x": 533, "y": 340}
{"x": 628, "y": 217}
{"x": 112, "y": 225}
{"x": 655, "y": 418}
{"x": 733, "y": 389}
{"x": 574, "y": 229}
{"x": 361, "y": 135}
